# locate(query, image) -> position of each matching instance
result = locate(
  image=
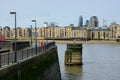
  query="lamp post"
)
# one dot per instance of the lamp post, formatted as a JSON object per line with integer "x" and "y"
{"x": 35, "y": 36}
{"x": 31, "y": 34}
{"x": 87, "y": 35}
{"x": 0, "y": 33}
{"x": 15, "y": 35}
{"x": 0, "y": 30}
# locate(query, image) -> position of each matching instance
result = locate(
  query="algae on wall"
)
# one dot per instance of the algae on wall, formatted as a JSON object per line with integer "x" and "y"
{"x": 33, "y": 68}
{"x": 73, "y": 54}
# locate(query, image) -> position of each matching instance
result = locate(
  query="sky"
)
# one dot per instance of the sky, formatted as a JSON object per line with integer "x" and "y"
{"x": 62, "y": 12}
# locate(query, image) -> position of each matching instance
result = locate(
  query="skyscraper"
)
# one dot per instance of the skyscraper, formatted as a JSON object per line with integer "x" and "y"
{"x": 87, "y": 23}
{"x": 45, "y": 24}
{"x": 52, "y": 24}
{"x": 71, "y": 25}
{"x": 94, "y": 21}
{"x": 80, "y": 22}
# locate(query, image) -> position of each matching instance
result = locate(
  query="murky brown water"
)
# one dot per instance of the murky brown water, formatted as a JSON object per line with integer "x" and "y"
{"x": 100, "y": 62}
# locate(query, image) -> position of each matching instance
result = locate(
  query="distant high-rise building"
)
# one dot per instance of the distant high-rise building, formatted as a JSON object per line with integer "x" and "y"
{"x": 80, "y": 22}
{"x": 94, "y": 21}
{"x": 52, "y": 24}
{"x": 45, "y": 24}
{"x": 71, "y": 25}
{"x": 87, "y": 23}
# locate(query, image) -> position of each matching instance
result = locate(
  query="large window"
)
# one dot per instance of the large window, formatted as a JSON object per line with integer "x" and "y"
{"x": 92, "y": 35}
{"x": 104, "y": 35}
{"x": 98, "y": 35}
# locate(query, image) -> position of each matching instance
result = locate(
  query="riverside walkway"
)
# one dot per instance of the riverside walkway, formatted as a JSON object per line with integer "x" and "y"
{"x": 8, "y": 58}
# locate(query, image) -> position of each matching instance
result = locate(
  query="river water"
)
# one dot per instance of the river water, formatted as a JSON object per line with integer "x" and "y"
{"x": 100, "y": 62}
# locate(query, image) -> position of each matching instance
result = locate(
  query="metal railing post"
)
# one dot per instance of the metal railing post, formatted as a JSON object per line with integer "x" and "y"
{"x": 27, "y": 52}
{"x": 15, "y": 53}
{"x": 31, "y": 51}
{"x": 0, "y": 61}
{"x": 8, "y": 58}
{"x": 22, "y": 54}
{"x": 39, "y": 50}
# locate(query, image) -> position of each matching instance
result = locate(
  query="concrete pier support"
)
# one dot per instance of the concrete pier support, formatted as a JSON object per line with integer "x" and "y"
{"x": 73, "y": 54}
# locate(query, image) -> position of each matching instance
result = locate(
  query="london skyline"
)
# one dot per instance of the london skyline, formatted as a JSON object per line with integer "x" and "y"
{"x": 63, "y": 12}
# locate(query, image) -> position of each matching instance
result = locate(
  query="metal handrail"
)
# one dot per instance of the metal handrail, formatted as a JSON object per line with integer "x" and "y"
{"x": 9, "y": 57}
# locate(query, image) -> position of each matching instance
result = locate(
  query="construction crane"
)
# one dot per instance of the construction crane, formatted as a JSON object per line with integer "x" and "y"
{"x": 104, "y": 22}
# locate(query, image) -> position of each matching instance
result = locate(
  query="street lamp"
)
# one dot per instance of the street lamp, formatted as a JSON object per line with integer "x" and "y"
{"x": 1, "y": 33}
{"x": 0, "y": 30}
{"x": 31, "y": 34}
{"x": 35, "y": 36}
{"x": 15, "y": 35}
{"x": 87, "y": 31}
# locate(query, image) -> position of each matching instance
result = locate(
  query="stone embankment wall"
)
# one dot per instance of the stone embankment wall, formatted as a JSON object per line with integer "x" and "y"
{"x": 42, "y": 67}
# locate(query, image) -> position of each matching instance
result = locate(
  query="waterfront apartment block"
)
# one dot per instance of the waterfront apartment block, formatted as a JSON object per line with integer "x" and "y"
{"x": 114, "y": 30}
{"x": 67, "y": 32}
{"x": 99, "y": 33}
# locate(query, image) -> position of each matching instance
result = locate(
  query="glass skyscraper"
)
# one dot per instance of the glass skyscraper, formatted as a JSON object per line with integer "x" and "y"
{"x": 93, "y": 21}
{"x": 87, "y": 23}
{"x": 80, "y": 22}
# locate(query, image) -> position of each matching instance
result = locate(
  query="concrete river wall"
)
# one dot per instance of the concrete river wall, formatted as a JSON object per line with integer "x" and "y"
{"x": 43, "y": 66}
{"x": 73, "y": 54}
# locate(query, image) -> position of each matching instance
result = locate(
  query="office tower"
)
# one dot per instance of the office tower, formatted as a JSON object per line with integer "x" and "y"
{"x": 71, "y": 25}
{"x": 52, "y": 24}
{"x": 87, "y": 23}
{"x": 45, "y": 24}
{"x": 94, "y": 21}
{"x": 80, "y": 23}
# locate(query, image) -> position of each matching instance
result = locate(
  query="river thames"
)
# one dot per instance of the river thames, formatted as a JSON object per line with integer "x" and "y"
{"x": 100, "y": 62}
